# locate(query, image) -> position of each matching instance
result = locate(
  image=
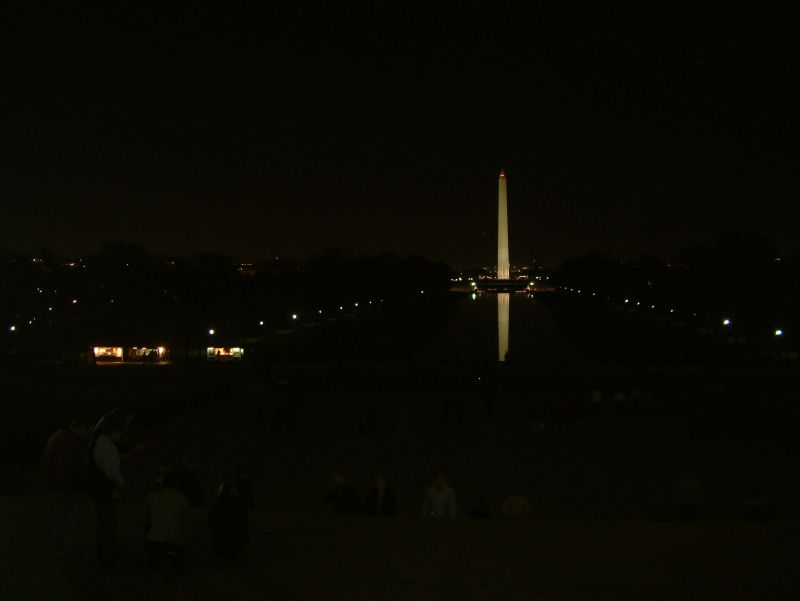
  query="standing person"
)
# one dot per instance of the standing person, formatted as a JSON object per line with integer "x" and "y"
{"x": 440, "y": 500}
{"x": 165, "y": 520}
{"x": 106, "y": 484}
{"x": 245, "y": 488}
{"x": 342, "y": 496}
{"x": 227, "y": 520}
{"x": 61, "y": 474}
{"x": 379, "y": 499}
{"x": 189, "y": 483}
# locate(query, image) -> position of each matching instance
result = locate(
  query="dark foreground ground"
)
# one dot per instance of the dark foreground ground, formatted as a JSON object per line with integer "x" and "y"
{"x": 403, "y": 558}
{"x": 604, "y": 481}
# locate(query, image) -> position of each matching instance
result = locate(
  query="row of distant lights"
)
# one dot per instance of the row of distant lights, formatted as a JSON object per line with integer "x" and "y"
{"x": 725, "y": 322}
{"x": 295, "y": 316}
{"x": 13, "y": 328}
{"x": 211, "y": 331}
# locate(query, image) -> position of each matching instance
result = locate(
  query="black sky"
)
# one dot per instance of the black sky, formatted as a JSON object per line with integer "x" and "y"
{"x": 383, "y": 128}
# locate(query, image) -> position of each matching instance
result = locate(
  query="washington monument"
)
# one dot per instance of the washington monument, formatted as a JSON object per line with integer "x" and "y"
{"x": 502, "y": 268}
{"x": 502, "y": 230}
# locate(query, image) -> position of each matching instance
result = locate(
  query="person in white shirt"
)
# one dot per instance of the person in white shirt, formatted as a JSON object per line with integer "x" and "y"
{"x": 107, "y": 484}
{"x": 440, "y": 500}
{"x": 164, "y": 517}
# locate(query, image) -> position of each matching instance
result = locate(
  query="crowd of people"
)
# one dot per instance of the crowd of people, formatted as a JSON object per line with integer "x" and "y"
{"x": 438, "y": 501}
{"x": 86, "y": 457}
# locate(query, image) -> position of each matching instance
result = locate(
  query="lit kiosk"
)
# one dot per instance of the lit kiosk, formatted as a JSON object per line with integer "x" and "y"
{"x": 148, "y": 354}
{"x": 108, "y": 354}
{"x": 224, "y": 354}
{"x": 502, "y": 285}
{"x": 104, "y": 355}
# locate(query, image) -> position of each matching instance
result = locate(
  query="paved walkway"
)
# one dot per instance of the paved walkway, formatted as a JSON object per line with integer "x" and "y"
{"x": 404, "y": 558}
{"x": 578, "y": 547}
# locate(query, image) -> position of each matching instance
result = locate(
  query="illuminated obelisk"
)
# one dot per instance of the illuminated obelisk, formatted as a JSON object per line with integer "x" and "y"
{"x": 503, "y": 270}
{"x": 502, "y": 230}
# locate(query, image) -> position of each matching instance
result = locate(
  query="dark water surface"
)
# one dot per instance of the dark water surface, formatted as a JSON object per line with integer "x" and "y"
{"x": 473, "y": 333}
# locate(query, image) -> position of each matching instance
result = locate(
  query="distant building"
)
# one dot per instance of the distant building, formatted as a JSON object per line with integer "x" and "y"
{"x": 108, "y": 354}
{"x": 133, "y": 354}
{"x": 224, "y": 354}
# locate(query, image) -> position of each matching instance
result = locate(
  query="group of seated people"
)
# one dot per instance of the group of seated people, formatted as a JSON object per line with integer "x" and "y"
{"x": 439, "y": 500}
{"x": 165, "y": 517}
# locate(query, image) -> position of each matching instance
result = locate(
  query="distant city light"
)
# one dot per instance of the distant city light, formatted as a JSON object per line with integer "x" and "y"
{"x": 211, "y": 332}
{"x": 74, "y": 301}
{"x": 726, "y": 322}
{"x": 626, "y": 300}
{"x": 49, "y": 308}
{"x": 320, "y": 311}
{"x": 294, "y": 315}
{"x": 474, "y": 296}
{"x": 341, "y": 308}
{"x": 12, "y": 329}
{"x": 779, "y": 332}
{"x": 672, "y": 310}
{"x": 355, "y": 304}
{"x": 422, "y": 292}
{"x": 261, "y": 323}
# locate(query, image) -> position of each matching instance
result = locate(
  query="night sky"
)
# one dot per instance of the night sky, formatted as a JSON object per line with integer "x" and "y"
{"x": 383, "y": 129}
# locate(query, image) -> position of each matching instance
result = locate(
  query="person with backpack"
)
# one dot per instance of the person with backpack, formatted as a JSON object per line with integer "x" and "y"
{"x": 61, "y": 475}
{"x": 106, "y": 484}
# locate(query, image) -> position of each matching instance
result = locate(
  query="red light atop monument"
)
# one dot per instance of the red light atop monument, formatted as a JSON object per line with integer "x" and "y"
{"x": 502, "y": 173}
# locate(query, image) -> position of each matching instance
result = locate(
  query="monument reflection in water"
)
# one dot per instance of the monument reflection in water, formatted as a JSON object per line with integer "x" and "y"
{"x": 503, "y": 316}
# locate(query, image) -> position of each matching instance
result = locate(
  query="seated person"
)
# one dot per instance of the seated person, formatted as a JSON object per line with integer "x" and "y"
{"x": 165, "y": 518}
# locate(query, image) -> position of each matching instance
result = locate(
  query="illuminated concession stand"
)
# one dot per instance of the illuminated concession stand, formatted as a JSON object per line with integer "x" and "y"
{"x": 224, "y": 353}
{"x": 108, "y": 354}
{"x": 148, "y": 354}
